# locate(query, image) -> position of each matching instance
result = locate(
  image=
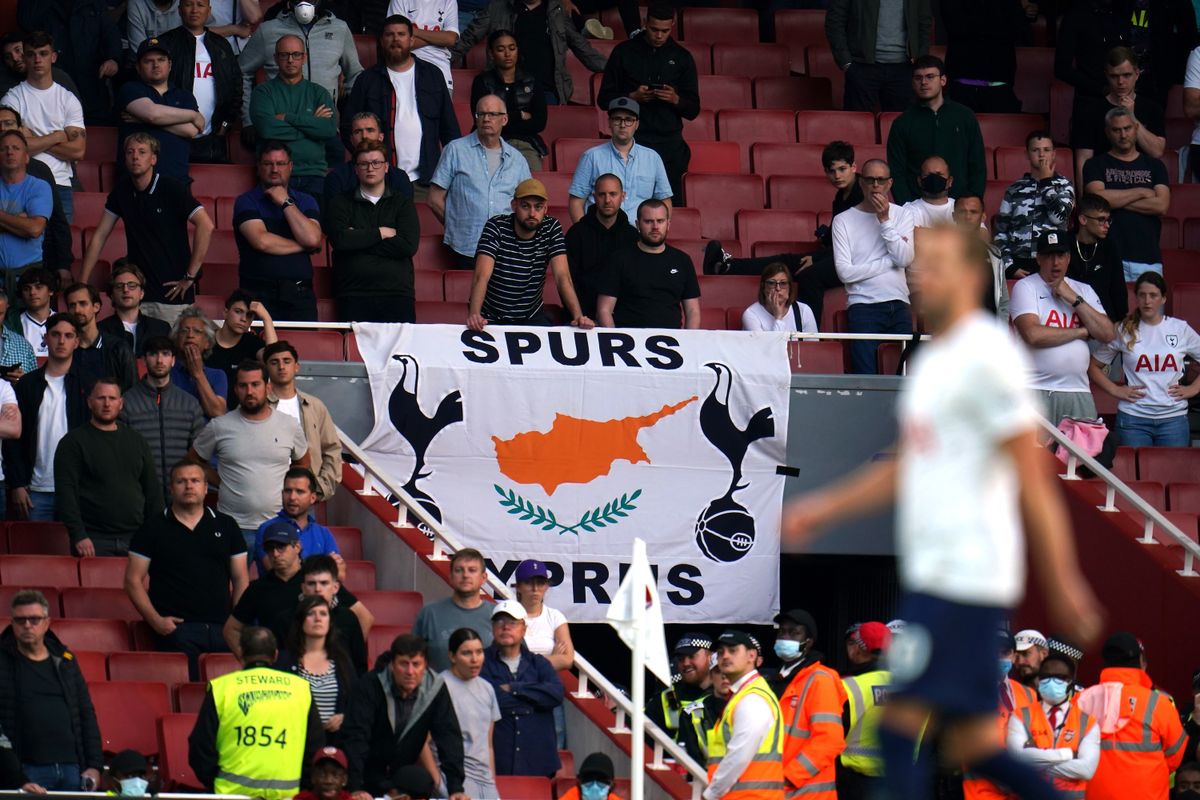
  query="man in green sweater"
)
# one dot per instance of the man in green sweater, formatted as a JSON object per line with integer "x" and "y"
{"x": 290, "y": 109}
{"x": 104, "y": 478}
{"x": 935, "y": 126}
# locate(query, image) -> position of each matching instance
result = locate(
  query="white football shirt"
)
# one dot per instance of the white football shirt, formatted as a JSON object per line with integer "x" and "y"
{"x": 431, "y": 15}
{"x": 204, "y": 85}
{"x": 1154, "y": 362}
{"x": 1062, "y": 368}
{"x": 925, "y": 214}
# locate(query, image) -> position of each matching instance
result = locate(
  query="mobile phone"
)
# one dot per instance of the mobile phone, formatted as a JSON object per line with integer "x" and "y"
{"x": 657, "y": 86}
{"x": 8, "y": 369}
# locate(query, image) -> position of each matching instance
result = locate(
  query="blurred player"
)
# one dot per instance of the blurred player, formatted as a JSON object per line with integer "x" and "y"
{"x": 968, "y": 469}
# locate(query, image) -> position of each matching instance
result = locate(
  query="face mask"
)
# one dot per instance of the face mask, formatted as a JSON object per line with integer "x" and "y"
{"x": 1005, "y": 666}
{"x": 787, "y": 649}
{"x": 933, "y": 183}
{"x": 134, "y": 787}
{"x": 593, "y": 790}
{"x": 1053, "y": 690}
{"x": 304, "y": 13}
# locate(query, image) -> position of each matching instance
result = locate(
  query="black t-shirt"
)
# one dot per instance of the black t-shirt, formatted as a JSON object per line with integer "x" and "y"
{"x": 533, "y": 42}
{"x": 156, "y": 229}
{"x": 189, "y": 569}
{"x": 1134, "y": 235}
{"x": 1089, "y": 130}
{"x": 227, "y": 359}
{"x": 271, "y": 602}
{"x": 46, "y": 722}
{"x": 649, "y": 287}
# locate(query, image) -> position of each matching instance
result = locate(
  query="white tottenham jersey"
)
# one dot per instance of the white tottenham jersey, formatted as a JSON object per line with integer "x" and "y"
{"x": 1062, "y": 368}
{"x": 1154, "y": 362}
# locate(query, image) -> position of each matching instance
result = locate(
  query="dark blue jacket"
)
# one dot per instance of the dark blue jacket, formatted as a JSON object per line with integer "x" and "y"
{"x": 85, "y": 37}
{"x": 524, "y": 740}
{"x": 373, "y": 92}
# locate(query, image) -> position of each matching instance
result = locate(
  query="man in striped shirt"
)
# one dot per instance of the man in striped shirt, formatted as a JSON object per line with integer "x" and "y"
{"x": 511, "y": 258}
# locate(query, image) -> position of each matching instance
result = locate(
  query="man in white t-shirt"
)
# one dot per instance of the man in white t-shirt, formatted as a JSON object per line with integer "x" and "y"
{"x": 934, "y": 206}
{"x": 1057, "y": 317}
{"x": 967, "y": 473}
{"x": 53, "y": 116}
{"x": 435, "y": 31}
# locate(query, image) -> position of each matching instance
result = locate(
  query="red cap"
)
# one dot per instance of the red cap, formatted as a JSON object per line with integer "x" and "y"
{"x": 331, "y": 754}
{"x": 874, "y": 636}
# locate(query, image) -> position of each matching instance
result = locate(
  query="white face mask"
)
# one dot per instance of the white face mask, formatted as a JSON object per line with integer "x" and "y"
{"x": 305, "y": 12}
{"x": 134, "y": 787}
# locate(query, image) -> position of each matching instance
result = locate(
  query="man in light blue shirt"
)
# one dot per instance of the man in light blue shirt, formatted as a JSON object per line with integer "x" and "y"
{"x": 25, "y": 205}
{"x": 640, "y": 169}
{"x": 475, "y": 180}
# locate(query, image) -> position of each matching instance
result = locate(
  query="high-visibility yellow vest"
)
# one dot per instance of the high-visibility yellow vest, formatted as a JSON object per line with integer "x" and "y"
{"x": 866, "y": 693}
{"x": 763, "y": 779}
{"x": 263, "y": 722}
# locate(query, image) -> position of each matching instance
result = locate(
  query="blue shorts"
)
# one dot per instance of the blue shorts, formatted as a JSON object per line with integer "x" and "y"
{"x": 946, "y": 656}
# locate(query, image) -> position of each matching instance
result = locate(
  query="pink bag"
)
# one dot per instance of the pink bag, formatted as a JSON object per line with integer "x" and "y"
{"x": 1087, "y": 434}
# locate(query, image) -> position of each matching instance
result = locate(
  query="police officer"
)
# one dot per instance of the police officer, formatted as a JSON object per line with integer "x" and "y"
{"x": 866, "y": 691}
{"x": 258, "y": 727}
{"x": 685, "y": 697}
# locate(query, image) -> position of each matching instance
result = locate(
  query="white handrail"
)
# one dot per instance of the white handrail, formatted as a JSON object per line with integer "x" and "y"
{"x": 1151, "y": 517}
{"x": 443, "y": 543}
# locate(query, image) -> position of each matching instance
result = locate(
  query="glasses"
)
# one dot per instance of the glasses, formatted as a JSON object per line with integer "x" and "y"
{"x": 28, "y": 621}
{"x": 927, "y": 78}
{"x": 1099, "y": 220}
{"x": 126, "y": 285}
{"x": 490, "y": 114}
{"x": 778, "y": 284}
{"x": 871, "y": 181}
{"x": 622, "y": 122}
{"x": 371, "y": 164}
{"x": 290, "y": 56}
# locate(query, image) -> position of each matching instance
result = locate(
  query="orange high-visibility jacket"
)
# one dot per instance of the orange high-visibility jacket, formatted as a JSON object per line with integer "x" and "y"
{"x": 813, "y": 735}
{"x": 1146, "y": 745}
{"x": 1075, "y": 727}
{"x": 1026, "y": 706}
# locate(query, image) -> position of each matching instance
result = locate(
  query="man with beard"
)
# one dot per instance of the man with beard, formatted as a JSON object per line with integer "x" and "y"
{"x": 510, "y": 265}
{"x": 364, "y": 127}
{"x": 681, "y": 705}
{"x": 1030, "y": 652}
{"x": 645, "y": 285}
{"x": 99, "y": 355}
{"x": 603, "y": 230}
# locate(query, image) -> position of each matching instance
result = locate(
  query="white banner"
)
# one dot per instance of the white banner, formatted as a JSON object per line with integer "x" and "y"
{"x": 564, "y": 445}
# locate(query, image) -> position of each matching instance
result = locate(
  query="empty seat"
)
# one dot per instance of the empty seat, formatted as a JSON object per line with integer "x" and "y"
{"x": 88, "y": 173}
{"x": 775, "y": 225}
{"x": 367, "y": 47}
{"x": 102, "y": 635}
{"x": 558, "y": 185}
{"x": 168, "y": 668}
{"x": 799, "y": 194}
{"x": 800, "y": 29}
{"x": 1167, "y": 464}
{"x": 749, "y": 125}
{"x": 98, "y": 604}
{"x": 101, "y": 145}
{"x": 886, "y": 118}
{"x": 317, "y": 345}
{"x": 888, "y": 358}
{"x": 725, "y": 91}
{"x": 1187, "y": 524}
{"x": 89, "y": 206}
{"x": 524, "y": 786}
{"x": 446, "y": 313}
{"x": 1184, "y": 302}
{"x": 391, "y": 607}
{"x": 719, "y": 25}
{"x": 1125, "y": 464}
{"x": 1150, "y": 491}
{"x": 102, "y": 572}
{"x": 221, "y": 180}
{"x": 174, "y": 771}
{"x": 722, "y": 157}
{"x": 702, "y": 54}
{"x": 56, "y": 571}
{"x": 189, "y": 697}
{"x": 51, "y": 593}
{"x": 1035, "y": 73}
{"x": 751, "y": 60}
{"x": 349, "y": 541}
{"x": 360, "y": 575}
{"x": 433, "y": 254}
{"x": 577, "y": 122}
{"x": 701, "y": 129}
{"x": 567, "y": 152}
{"x": 721, "y": 197}
{"x": 728, "y": 291}
{"x": 427, "y": 285}
{"x": 1008, "y": 129}
{"x": 127, "y": 713}
{"x": 1184, "y": 497}
{"x": 822, "y": 127}
{"x": 93, "y": 665}
{"x": 214, "y": 665}
{"x": 1171, "y": 232}
{"x": 793, "y": 92}
{"x": 380, "y": 639}
{"x": 712, "y": 319}
{"x": 773, "y": 158}
{"x": 1191, "y": 235}
{"x": 686, "y": 223}
{"x": 815, "y": 357}
{"x": 38, "y": 538}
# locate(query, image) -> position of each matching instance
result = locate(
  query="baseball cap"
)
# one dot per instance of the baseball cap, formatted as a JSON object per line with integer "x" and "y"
{"x": 689, "y": 643}
{"x": 1029, "y": 638}
{"x": 334, "y": 754}
{"x": 626, "y": 104}
{"x": 596, "y": 766}
{"x": 510, "y": 607}
{"x": 129, "y": 762}
{"x": 1004, "y": 641}
{"x": 734, "y": 638}
{"x": 151, "y": 44}
{"x": 1122, "y": 649}
{"x": 531, "y": 187}
{"x": 1053, "y": 242}
{"x": 531, "y": 568}
{"x": 873, "y": 636}
{"x": 800, "y": 617}
{"x": 281, "y": 532}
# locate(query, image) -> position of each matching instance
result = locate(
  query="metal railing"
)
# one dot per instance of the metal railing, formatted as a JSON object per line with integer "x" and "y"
{"x": 106, "y": 796}
{"x": 444, "y": 543}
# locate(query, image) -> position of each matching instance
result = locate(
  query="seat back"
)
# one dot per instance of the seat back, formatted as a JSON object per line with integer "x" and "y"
{"x": 360, "y": 575}
{"x": 349, "y": 541}
{"x": 726, "y": 91}
{"x": 391, "y": 607}
{"x": 793, "y": 91}
{"x": 214, "y": 665}
{"x": 103, "y": 635}
{"x": 751, "y": 60}
{"x": 102, "y": 572}
{"x": 380, "y": 639}
{"x": 57, "y": 571}
{"x": 189, "y": 697}
{"x": 524, "y": 786}
{"x": 173, "y": 768}
{"x": 822, "y": 127}
{"x": 822, "y": 358}
{"x": 168, "y": 668}
{"x": 98, "y": 603}
{"x": 38, "y": 538}
{"x": 722, "y": 196}
{"x": 1166, "y": 464}
{"x": 1184, "y": 497}
{"x": 127, "y": 713}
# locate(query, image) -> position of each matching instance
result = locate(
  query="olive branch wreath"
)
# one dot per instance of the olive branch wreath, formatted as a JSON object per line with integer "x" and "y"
{"x": 610, "y": 513}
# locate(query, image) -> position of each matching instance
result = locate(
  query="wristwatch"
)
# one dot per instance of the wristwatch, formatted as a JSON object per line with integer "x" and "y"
{"x": 287, "y": 203}
{"x": 1078, "y": 301}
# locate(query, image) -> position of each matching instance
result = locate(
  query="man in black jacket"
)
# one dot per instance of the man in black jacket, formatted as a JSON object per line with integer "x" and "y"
{"x": 204, "y": 64}
{"x": 364, "y": 126}
{"x": 603, "y": 230}
{"x": 127, "y": 289}
{"x": 373, "y": 92}
{"x": 1095, "y": 259}
{"x": 88, "y": 45}
{"x": 45, "y": 709}
{"x": 394, "y": 710}
{"x": 101, "y": 356}
{"x": 660, "y": 75}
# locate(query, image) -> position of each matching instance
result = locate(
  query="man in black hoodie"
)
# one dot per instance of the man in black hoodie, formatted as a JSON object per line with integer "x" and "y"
{"x": 603, "y": 230}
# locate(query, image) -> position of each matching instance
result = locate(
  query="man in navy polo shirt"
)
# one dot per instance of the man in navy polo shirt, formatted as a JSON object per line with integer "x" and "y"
{"x": 167, "y": 113}
{"x": 299, "y": 496}
{"x": 276, "y": 229}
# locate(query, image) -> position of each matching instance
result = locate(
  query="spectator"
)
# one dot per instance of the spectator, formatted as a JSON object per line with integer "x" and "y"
{"x": 328, "y": 776}
{"x": 464, "y": 608}
{"x": 1072, "y": 760}
{"x": 543, "y": 34}
{"x": 144, "y": 193}
{"x": 1095, "y": 260}
{"x": 192, "y": 556}
{"x": 1187, "y": 781}
{"x": 89, "y": 45}
{"x": 660, "y": 75}
{"x": 1089, "y": 130}
{"x": 36, "y": 287}
{"x": 515, "y": 251}
{"x": 299, "y": 497}
{"x": 395, "y": 709}
{"x": 1030, "y": 650}
{"x": 105, "y": 481}
{"x": 464, "y": 196}
{"x": 477, "y": 710}
{"x": 981, "y": 52}
{"x": 236, "y": 21}
{"x": 16, "y": 356}
{"x": 1136, "y": 188}
{"x": 935, "y": 125}
{"x": 1056, "y": 326}
{"x": 520, "y": 91}
{"x": 145, "y": 19}
{"x": 127, "y": 774}
{"x": 52, "y": 116}
{"x": 98, "y": 356}
{"x": 547, "y": 633}
{"x": 52, "y": 400}
{"x": 374, "y": 232}
{"x": 640, "y": 168}
{"x": 276, "y": 229}
{"x": 299, "y": 112}
{"x": 10, "y": 420}
{"x": 343, "y": 178}
{"x": 235, "y": 342}
{"x": 872, "y": 249}
{"x": 1041, "y": 200}
{"x": 324, "y": 446}
{"x": 45, "y": 711}
{"x": 876, "y": 54}
{"x": 777, "y": 308}
{"x": 435, "y": 31}
{"x": 934, "y": 206}
{"x": 315, "y": 653}
{"x": 203, "y": 63}
{"x": 151, "y": 105}
{"x": 969, "y": 214}
{"x": 320, "y": 576}
{"x": 593, "y": 780}
{"x": 409, "y": 98}
{"x": 528, "y": 690}
{"x": 227, "y": 764}
{"x": 604, "y": 229}
{"x": 56, "y": 239}
{"x": 126, "y": 290}
{"x": 255, "y": 447}
{"x": 674, "y": 709}
{"x": 12, "y": 65}
{"x": 194, "y": 336}
{"x": 644, "y": 286}
{"x": 1153, "y": 407}
{"x": 25, "y": 206}
{"x": 168, "y": 418}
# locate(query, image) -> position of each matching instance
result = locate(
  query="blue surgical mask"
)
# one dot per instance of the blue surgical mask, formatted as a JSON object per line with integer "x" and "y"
{"x": 594, "y": 790}
{"x": 1053, "y": 690}
{"x": 134, "y": 787}
{"x": 1005, "y": 666}
{"x": 787, "y": 649}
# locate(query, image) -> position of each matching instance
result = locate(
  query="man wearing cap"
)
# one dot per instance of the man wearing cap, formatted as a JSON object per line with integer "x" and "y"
{"x": 475, "y": 179}
{"x": 514, "y": 251}
{"x": 1057, "y": 317}
{"x": 330, "y": 771}
{"x": 127, "y": 774}
{"x": 1031, "y": 651}
{"x": 866, "y": 693}
{"x": 745, "y": 747}
{"x": 595, "y": 780}
{"x": 682, "y": 704}
{"x": 1141, "y": 737}
{"x": 166, "y": 112}
{"x": 640, "y": 169}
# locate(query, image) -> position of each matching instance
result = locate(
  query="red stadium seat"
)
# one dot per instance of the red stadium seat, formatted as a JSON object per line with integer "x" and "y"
{"x": 114, "y": 245}
{"x": 1184, "y": 301}
{"x": 221, "y": 180}
{"x": 220, "y": 279}
{"x": 189, "y": 696}
{"x": 52, "y": 597}
{"x": 751, "y": 60}
{"x": 1012, "y": 163}
{"x": 523, "y": 786}
{"x": 392, "y": 608}
{"x": 89, "y": 207}
{"x": 719, "y": 25}
{"x": 428, "y": 221}
{"x": 349, "y": 541}
{"x": 799, "y": 194}
{"x": 886, "y": 119}
{"x": 733, "y": 318}
{"x": 168, "y": 668}
{"x": 317, "y": 345}
{"x": 1187, "y": 524}
{"x": 368, "y": 49}
{"x": 360, "y": 575}
{"x": 380, "y": 639}
{"x": 223, "y": 248}
{"x": 771, "y": 158}
{"x": 1171, "y": 233}
{"x": 103, "y": 635}
{"x": 888, "y": 358}
{"x": 128, "y": 713}
{"x": 821, "y": 65}
{"x": 1168, "y": 464}
{"x": 728, "y": 291}
{"x": 93, "y": 664}
{"x": 722, "y": 157}
{"x": 557, "y": 185}
{"x": 101, "y": 145}
{"x": 712, "y": 319}
{"x": 567, "y": 153}
{"x": 447, "y": 313}
{"x": 822, "y": 358}
{"x": 1008, "y": 129}
{"x": 686, "y": 223}
{"x": 458, "y": 285}
{"x": 1184, "y": 497}
{"x": 722, "y": 196}
{"x": 38, "y": 538}
{"x": 427, "y": 284}
{"x": 433, "y": 254}
{"x": 1182, "y": 266}
{"x": 701, "y": 129}
{"x": 576, "y": 122}
{"x": 793, "y": 93}
{"x": 56, "y": 571}
{"x": 725, "y": 91}
{"x": 993, "y": 194}
{"x": 768, "y": 249}
{"x": 1061, "y": 99}
{"x": 775, "y": 225}
{"x": 462, "y": 111}
{"x": 102, "y": 572}
{"x": 750, "y": 125}
{"x": 800, "y": 29}
{"x": 581, "y": 82}
{"x": 98, "y": 604}
{"x": 1125, "y": 464}
{"x": 1150, "y": 491}
{"x": 702, "y": 54}
{"x": 214, "y": 665}
{"x": 88, "y": 173}
{"x": 174, "y": 772}
{"x": 822, "y": 127}
{"x": 1035, "y": 73}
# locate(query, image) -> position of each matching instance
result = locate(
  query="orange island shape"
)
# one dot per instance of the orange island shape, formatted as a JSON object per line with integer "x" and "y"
{"x": 576, "y": 450}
